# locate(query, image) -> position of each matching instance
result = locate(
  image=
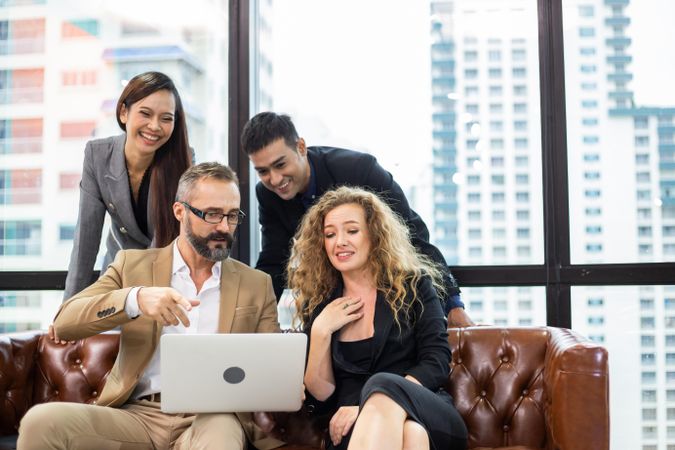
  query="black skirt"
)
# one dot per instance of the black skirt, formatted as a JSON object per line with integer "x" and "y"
{"x": 435, "y": 411}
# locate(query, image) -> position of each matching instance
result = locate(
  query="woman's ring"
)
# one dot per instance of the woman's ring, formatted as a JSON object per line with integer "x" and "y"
{"x": 345, "y": 306}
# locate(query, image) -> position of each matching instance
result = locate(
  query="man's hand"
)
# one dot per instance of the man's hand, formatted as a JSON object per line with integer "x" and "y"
{"x": 342, "y": 422}
{"x": 52, "y": 335}
{"x": 165, "y": 305}
{"x": 457, "y": 317}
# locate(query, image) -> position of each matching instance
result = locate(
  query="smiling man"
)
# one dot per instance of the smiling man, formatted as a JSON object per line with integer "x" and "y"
{"x": 293, "y": 176}
{"x": 190, "y": 286}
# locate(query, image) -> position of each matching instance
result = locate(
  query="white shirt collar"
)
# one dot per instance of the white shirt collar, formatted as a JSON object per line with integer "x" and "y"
{"x": 179, "y": 264}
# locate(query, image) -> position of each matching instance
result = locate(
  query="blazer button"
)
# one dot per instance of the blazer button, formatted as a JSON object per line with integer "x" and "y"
{"x": 111, "y": 206}
{"x": 123, "y": 230}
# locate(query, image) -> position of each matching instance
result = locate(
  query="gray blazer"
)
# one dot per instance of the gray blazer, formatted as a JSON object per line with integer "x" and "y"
{"x": 104, "y": 187}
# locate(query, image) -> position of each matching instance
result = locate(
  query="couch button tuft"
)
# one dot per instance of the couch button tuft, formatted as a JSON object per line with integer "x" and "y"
{"x": 94, "y": 394}
{"x": 525, "y": 392}
{"x": 78, "y": 361}
{"x": 483, "y": 393}
{"x": 505, "y": 359}
{"x": 506, "y": 428}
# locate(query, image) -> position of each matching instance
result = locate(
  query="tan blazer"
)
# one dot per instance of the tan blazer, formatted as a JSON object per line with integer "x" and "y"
{"x": 247, "y": 305}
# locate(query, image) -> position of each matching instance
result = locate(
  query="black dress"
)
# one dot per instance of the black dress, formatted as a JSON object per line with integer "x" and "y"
{"x": 418, "y": 347}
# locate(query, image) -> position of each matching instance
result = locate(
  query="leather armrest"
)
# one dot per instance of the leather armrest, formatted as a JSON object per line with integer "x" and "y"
{"x": 17, "y": 372}
{"x": 576, "y": 381}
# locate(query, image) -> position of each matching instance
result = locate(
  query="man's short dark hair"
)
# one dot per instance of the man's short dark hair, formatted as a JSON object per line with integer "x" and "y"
{"x": 265, "y": 128}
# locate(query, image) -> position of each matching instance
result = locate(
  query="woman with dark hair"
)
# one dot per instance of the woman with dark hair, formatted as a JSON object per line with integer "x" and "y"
{"x": 378, "y": 348}
{"x": 133, "y": 177}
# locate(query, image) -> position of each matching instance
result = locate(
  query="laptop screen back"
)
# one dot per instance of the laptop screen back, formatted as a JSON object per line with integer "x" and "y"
{"x": 203, "y": 373}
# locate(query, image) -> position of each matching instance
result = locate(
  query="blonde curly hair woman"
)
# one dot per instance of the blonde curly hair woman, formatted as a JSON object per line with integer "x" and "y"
{"x": 378, "y": 352}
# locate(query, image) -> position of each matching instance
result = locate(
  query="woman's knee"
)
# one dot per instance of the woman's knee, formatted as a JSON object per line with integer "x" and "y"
{"x": 382, "y": 380}
{"x": 375, "y": 392}
{"x": 415, "y": 437}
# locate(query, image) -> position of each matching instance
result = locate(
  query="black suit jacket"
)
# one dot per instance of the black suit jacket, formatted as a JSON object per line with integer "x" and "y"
{"x": 418, "y": 348}
{"x": 334, "y": 167}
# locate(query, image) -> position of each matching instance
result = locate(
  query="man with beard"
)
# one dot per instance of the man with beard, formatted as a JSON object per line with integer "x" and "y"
{"x": 190, "y": 286}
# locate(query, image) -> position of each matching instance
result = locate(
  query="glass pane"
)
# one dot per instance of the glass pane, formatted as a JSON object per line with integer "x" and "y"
{"x": 28, "y": 310}
{"x": 444, "y": 94}
{"x": 637, "y": 326}
{"x": 506, "y": 306}
{"x": 620, "y": 130}
{"x": 75, "y": 58}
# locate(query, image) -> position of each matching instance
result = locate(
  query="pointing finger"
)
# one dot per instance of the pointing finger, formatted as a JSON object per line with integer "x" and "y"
{"x": 182, "y": 301}
{"x": 179, "y": 312}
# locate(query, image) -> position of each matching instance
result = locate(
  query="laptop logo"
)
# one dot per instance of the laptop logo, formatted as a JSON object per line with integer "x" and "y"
{"x": 234, "y": 375}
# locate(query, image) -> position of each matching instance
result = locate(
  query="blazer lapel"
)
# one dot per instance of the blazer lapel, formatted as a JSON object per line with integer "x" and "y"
{"x": 117, "y": 183}
{"x": 229, "y": 287}
{"x": 384, "y": 319}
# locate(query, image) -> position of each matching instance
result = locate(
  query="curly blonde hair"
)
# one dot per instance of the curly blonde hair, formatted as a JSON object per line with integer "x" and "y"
{"x": 394, "y": 262}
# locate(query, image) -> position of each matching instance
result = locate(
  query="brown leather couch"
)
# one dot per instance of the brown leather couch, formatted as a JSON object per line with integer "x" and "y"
{"x": 517, "y": 388}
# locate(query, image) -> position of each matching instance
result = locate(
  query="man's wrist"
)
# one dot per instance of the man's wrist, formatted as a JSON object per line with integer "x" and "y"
{"x": 131, "y": 306}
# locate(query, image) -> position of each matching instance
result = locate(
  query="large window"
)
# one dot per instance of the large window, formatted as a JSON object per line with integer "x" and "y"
{"x": 622, "y": 208}
{"x": 418, "y": 91}
{"x": 533, "y": 198}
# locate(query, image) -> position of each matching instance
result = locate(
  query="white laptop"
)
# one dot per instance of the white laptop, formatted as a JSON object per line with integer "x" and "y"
{"x": 204, "y": 373}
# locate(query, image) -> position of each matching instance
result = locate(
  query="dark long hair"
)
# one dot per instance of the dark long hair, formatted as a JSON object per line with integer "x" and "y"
{"x": 170, "y": 160}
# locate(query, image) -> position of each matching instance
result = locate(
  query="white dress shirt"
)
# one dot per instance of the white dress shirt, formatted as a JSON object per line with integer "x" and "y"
{"x": 203, "y": 318}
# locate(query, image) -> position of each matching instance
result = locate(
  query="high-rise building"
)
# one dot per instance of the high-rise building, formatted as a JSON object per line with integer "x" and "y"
{"x": 487, "y": 163}
{"x": 487, "y": 189}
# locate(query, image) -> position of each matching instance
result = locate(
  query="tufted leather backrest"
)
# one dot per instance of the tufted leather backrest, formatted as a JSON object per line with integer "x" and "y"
{"x": 497, "y": 384}
{"x": 73, "y": 372}
{"x": 17, "y": 364}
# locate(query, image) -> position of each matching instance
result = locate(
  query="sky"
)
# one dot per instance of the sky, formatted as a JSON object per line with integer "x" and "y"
{"x": 356, "y": 74}
{"x": 653, "y": 50}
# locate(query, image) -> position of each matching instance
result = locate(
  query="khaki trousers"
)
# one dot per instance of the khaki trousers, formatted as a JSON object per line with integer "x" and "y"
{"x": 136, "y": 425}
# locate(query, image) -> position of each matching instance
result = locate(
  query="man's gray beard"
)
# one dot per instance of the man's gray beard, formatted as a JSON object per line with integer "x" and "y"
{"x": 201, "y": 246}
